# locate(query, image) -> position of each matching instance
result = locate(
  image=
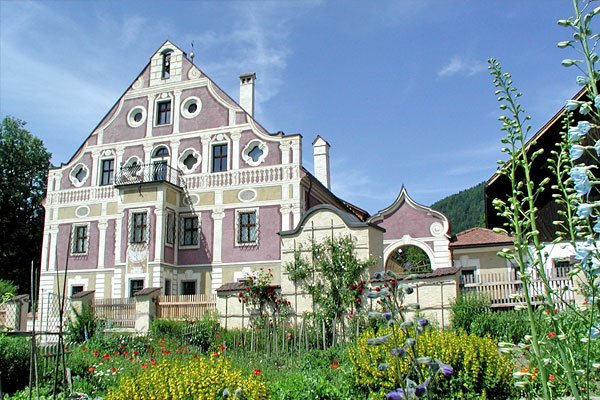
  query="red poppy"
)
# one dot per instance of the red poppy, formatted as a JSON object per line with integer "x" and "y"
{"x": 334, "y": 366}
{"x": 551, "y": 377}
{"x": 135, "y": 353}
{"x": 335, "y": 362}
{"x": 125, "y": 353}
{"x": 257, "y": 371}
{"x": 91, "y": 369}
{"x": 551, "y": 335}
{"x": 222, "y": 347}
{"x": 196, "y": 356}
{"x": 84, "y": 349}
{"x": 113, "y": 369}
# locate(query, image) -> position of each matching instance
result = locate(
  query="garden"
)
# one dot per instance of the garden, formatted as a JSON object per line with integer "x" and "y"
{"x": 362, "y": 340}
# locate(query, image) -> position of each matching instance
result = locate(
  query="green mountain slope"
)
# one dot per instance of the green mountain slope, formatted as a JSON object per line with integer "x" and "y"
{"x": 464, "y": 209}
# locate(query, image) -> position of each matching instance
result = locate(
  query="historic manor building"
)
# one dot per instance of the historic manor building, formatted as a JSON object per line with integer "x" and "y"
{"x": 179, "y": 187}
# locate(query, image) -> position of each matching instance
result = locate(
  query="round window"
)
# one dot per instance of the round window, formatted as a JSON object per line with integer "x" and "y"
{"x": 191, "y": 107}
{"x": 136, "y": 116}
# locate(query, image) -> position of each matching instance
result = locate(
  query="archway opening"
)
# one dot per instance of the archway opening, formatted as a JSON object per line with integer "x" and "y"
{"x": 408, "y": 260}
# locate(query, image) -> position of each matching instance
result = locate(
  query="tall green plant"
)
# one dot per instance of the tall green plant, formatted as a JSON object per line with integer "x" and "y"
{"x": 580, "y": 217}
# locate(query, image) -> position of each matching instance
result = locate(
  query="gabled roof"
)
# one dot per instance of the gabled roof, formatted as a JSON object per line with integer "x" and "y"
{"x": 221, "y": 92}
{"x": 402, "y": 198}
{"x": 480, "y": 237}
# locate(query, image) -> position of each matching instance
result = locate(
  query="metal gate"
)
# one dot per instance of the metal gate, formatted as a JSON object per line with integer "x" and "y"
{"x": 52, "y": 317}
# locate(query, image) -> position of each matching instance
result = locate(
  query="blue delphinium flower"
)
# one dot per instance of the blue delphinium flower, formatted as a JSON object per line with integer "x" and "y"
{"x": 576, "y": 151}
{"x": 584, "y": 127}
{"x": 397, "y": 395}
{"x": 594, "y": 332}
{"x": 387, "y": 316}
{"x": 581, "y": 80}
{"x": 581, "y": 181}
{"x": 597, "y": 147}
{"x": 585, "y": 109}
{"x": 597, "y": 101}
{"x": 584, "y": 210}
{"x": 596, "y": 226}
{"x": 378, "y": 341}
{"x": 582, "y": 251}
{"x": 422, "y": 322}
{"x": 572, "y": 105}
{"x": 574, "y": 133}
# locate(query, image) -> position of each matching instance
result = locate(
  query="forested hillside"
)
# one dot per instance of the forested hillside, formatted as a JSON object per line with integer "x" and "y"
{"x": 464, "y": 209}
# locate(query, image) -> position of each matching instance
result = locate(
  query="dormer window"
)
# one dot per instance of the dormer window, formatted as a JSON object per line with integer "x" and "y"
{"x": 166, "y": 64}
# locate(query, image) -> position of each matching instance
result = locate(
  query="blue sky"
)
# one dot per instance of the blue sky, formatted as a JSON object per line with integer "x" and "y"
{"x": 399, "y": 89}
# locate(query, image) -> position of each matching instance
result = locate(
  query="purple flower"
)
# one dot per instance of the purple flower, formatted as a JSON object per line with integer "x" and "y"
{"x": 377, "y": 276}
{"x": 387, "y": 316}
{"x": 594, "y": 332}
{"x": 572, "y": 105}
{"x": 421, "y": 390}
{"x": 576, "y": 151}
{"x": 584, "y": 210}
{"x": 399, "y": 351}
{"x": 446, "y": 369}
{"x": 423, "y": 322}
{"x": 397, "y": 395}
{"x": 584, "y": 127}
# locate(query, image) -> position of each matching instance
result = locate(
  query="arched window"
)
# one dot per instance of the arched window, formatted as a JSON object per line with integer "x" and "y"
{"x": 161, "y": 151}
{"x": 408, "y": 260}
{"x": 166, "y": 64}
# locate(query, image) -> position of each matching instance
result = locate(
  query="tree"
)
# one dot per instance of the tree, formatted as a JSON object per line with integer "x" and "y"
{"x": 24, "y": 164}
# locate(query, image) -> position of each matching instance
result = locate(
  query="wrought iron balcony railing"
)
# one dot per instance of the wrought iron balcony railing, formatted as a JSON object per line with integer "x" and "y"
{"x": 148, "y": 173}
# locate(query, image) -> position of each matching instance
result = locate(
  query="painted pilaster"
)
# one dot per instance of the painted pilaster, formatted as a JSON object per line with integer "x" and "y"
{"x": 296, "y": 152}
{"x": 159, "y": 247}
{"x": 285, "y": 148}
{"x": 119, "y": 161}
{"x": 102, "y": 226}
{"x": 117, "y": 283}
{"x": 147, "y": 153}
{"x": 100, "y": 285}
{"x": 95, "y": 167}
{"x": 175, "y": 110}
{"x": 217, "y": 216}
{"x": 53, "y": 244}
{"x": 174, "y": 153}
{"x": 206, "y": 159}
{"x": 150, "y": 118}
{"x": 45, "y": 244}
{"x": 285, "y": 211}
{"x": 57, "y": 179}
{"x": 297, "y": 215}
{"x": 118, "y": 235}
{"x": 235, "y": 149}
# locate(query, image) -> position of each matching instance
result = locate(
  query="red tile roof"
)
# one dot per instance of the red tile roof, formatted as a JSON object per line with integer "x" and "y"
{"x": 479, "y": 237}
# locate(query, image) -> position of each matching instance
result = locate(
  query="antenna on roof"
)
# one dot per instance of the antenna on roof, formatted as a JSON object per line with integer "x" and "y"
{"x": 192, "y": 52}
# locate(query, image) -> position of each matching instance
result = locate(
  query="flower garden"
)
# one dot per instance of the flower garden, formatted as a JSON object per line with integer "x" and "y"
{"x": 389, "y": 350}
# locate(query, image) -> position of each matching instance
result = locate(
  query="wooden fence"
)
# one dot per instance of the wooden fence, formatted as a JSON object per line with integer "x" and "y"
{"x": 185, "y": 306}
{"x": 506, "y": 291}
{"x": 117, "y": 312}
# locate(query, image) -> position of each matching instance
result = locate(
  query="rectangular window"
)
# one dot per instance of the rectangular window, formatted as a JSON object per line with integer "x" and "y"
{"x": 80, "y": 239}
{"x": 247, "y": 227}
{"x": 170, "y": 234}
{"x": 189, "y": 231}
{"x": 562, "y": 268}
{"x": 108, "y": 170}
{"x": 139, "y": 227}
{"x": 76, "y": 289}
{"x": 135, "y": 286}
{"x": 167, "y": 287}
{"x": 188, "y": 288}
{"x": 219, "y": 153}
{"x": 163, "y": 113}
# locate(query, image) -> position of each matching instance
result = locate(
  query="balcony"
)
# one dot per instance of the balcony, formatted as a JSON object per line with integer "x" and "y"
{"x": 148, "y": 173}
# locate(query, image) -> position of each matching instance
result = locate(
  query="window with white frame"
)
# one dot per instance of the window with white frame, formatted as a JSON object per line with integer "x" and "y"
{"x": 219, "y": 157}
{"x": 135, "y": 285}
{"x": 80, "y": 239}
{"x": 138, "y": 228}
{"x": 170, "y": 226}
{"x": 107, "y": 172}
{"x": 188, "y": 235}
{"x": 163, "y": 112}
{"x": 246, "y": 227}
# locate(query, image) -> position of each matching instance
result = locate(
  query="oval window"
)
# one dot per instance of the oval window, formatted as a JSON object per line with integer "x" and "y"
{"x": 192, "y": 108}
{"x": 137, "y": 117}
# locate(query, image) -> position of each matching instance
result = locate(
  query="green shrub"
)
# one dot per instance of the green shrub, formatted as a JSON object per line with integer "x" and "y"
{"x": 14, "y": 363}
{"x": 84, "y": 326}
{"x": 167, "y": 328}
{"x": 479, "y": 369}
{"x": 8, "y": 287}
{"x": 203, "y": 333}
{"x": 466, "y": 308}
{"x": 507, "y": 326}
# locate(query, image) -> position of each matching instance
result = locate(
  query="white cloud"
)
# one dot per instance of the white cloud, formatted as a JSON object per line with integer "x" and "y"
{"x": 462, "y": 65}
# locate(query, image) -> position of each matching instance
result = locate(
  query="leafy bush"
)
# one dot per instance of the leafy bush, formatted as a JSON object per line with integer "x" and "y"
{"x": 166, "y": 328}
{"x": 466, "y": 308}
{"x": 203, "y": 333}
{"x": 14, "y": 363}
{"x": 8, "y": 287}
{"x": 202, "y": 378}
{"x": 479, "y": 370}
{"x": 84, "y": 326}
{"x": 509, "y": 326}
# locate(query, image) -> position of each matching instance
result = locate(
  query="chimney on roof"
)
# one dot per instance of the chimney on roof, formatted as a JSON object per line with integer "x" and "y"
{"x": 247, "y": 92}
{"x": 321, "y": 160}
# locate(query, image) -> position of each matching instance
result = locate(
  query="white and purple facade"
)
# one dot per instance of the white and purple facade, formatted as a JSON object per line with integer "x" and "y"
{"x": 179, "y": 187}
